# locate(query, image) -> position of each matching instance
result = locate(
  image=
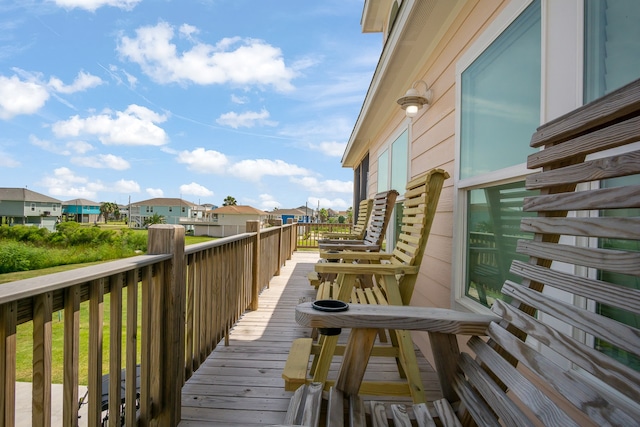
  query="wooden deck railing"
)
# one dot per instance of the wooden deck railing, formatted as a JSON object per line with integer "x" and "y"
{"x": 310, "y": 232}
{"x": 190, "y": 298}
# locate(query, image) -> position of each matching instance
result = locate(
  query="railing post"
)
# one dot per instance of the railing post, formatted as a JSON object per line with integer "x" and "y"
{"x": 278, "y": 223}
{"x": 169, "y": 239}
{"x": 254, "y": 227}
{"x": 294, "y": 236}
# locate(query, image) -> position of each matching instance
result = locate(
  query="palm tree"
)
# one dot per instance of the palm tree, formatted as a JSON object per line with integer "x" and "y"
{"x": 229, "y": 201}
{"x": 154, "y": 219}
{"x": 108, "y": 208}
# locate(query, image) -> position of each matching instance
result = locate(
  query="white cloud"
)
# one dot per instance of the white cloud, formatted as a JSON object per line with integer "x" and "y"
{"x": 331, "y": 149}
{"x": 155, "y": 192}
{"x": 205, "y": 161}
{"x": 195, "y": 190}
{"x": 125, "y": 186}
{"x": 239, "y": 99}
{"x": 134, "y": 126}
{"x": 7, "y": 161}
{"x": 20, "y": 97}
{"x": 102, "y": 161}
{"x": 232, "y": 60}
{"x": 66, "y": 149}
{"x": 247, "y": 119}
{"x": 268, "y": 203}
{"x": 254, "y": 170}
{"x": 214, "y": 162}
{"x": 93, "y": 5}
{"x": 64, "y": 182}
{"x": 336, "y": 204}
{"x": 329, "y": 186}
{"x": 82, "y": 82}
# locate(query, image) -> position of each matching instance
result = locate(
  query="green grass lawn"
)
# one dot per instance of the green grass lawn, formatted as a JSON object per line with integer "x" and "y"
{"x": 24, "y": 352}
{"x": 24, "y": 356}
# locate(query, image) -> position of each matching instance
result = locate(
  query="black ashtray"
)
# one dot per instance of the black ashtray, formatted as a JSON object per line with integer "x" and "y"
{"x": 333, "y": 252}
{"x": 330, "y": 305}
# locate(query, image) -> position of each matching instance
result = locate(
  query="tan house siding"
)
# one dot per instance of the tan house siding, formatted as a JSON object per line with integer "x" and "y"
{"x": 432, "y": 138}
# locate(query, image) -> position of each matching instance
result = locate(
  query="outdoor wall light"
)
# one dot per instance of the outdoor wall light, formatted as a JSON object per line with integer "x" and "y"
{"x": 412, "y": 101}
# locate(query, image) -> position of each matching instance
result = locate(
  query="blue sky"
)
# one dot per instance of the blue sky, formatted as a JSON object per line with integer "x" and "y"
{"x": 199, "y": 99}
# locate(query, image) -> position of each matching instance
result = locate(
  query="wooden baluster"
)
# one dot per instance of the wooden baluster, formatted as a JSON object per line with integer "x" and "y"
{"x": 71, "y": 355}
{"x": 41, "y": 393}
{"x": 8, "y": 315}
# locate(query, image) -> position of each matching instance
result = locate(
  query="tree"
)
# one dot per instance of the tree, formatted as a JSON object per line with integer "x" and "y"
{"x": 154, "y": 219}
{"x": 229, "y": 201}
{"x": 323, "y": 215}
{"x": 350, "y": 215}
{"x": 108, "y": 208}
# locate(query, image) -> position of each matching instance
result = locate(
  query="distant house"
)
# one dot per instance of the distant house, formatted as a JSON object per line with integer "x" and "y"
{"x": 172, "y": 209}
{"x": 227, "y": 221}
{"x": 310, "y": 213}
{"x": 298, "y": 215}
{"x": 25, "y": 207}
{"x": 81, "y": 210}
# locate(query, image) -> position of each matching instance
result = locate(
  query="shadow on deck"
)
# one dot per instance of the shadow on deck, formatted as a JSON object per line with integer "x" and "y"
{"x": 241, "y": 385}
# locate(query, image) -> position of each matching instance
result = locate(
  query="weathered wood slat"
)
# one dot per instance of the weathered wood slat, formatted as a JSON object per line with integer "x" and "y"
{"x": 423, "y": 415}
{"x": 446, "y": 414}
{"x": 603, "y": 292}
{"x": 596, "y": 363}
{"x": 96, "y": 315}
{"x": 71, "y": 355}
{"x": 115, "y": 349}
{"x": 609, "y": 167}
{"x": 473, "y": 403}
{"x": 8, "y": 322}
{"x": 41, "y": 400}
{"x": 610, "y": 108}
{"x": 614, "y": 332}
{"x": 609, "y": 137}
{"x": 607, "y": 198}
{"x": 335, "y": 408}
{"x": 605, "y": 259}
{"x": 580, "y": 393}
{"x": 507, "y": 410}
{"x": 608, "y": 227}
{"x": 131, "y": 346}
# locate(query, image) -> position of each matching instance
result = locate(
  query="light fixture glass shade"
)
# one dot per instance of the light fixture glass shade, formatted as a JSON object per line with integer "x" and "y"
{"x": 412, "y": 101}
{"x": 412, "y": 110}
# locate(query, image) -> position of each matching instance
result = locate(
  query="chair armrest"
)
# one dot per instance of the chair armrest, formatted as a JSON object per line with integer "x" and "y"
{"x": 369, "y": 269}
{"x": 397, "y": 317}
{"x": 339, "y": 242}
{"x": 353, "y": 256}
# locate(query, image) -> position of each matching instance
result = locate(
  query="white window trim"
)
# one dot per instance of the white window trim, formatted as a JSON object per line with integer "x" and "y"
{"x": 458, "y": 299}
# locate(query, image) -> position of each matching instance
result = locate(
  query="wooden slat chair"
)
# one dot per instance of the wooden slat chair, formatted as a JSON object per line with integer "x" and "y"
{"x": 334, "y": 249}
{"x": 359, "y": 229}
{"x": 394, "y": 283}
{"x": 566, "y": 341}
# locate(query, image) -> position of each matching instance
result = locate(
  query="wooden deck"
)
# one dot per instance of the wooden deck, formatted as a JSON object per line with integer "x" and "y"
{"x": 241, "y": 385}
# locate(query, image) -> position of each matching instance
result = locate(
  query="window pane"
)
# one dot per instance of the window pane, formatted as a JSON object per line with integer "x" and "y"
{"x": 493, "y": 224}
{"x": 619, "y": 278}
{"x": 612, "y": 46}
{"x": 383, "y": 171}
{"x": 399, "y": 161}
{"x": 500, "y": 106}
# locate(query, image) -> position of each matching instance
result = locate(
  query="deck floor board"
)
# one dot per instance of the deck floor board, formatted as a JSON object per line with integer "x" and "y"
{"x": 241, "y": 385}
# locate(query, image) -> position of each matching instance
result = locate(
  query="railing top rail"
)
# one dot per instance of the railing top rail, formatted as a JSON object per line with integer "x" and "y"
{"x": 15, "y": 291}
{"x": 225, "y": 240}
{"x": 197, "y": 247}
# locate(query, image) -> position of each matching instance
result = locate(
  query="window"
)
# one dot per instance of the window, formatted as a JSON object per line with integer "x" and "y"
{"x": 33, "y": 207}
{"x": 611, "y": 60}
{"x": 393, "y": 172}
{"x": 612, "y": 47}
{"x": 500, "y": 102}
{"x": 184, "y": 209}
{"x": 499, "y": 109}
{"x": 170, "y": 208}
